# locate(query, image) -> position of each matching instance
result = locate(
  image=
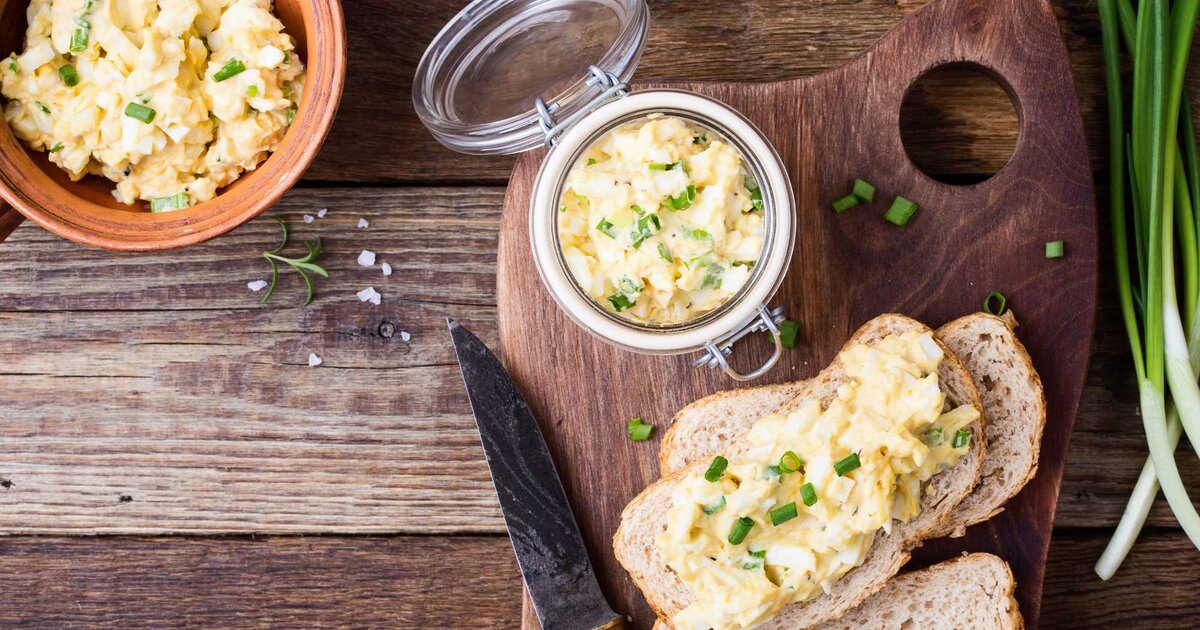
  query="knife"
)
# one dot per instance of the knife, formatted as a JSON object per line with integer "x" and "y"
{"x": 545, "y": 537}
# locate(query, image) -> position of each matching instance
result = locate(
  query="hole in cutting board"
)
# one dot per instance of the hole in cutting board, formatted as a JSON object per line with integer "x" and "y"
{"x": 958, "y": 124}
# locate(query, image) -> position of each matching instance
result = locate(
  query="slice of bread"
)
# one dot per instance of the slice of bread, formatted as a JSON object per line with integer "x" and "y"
{"x": 974, "y": 592}
{"x": 644, "y": 518}
{"x": 1013, "y": 402}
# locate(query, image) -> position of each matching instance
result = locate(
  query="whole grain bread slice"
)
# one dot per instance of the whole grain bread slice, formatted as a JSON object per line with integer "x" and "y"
{"x": 1013, "y": 401}
{"x": 645, "y": 517}
{"x": 973, "y": 592}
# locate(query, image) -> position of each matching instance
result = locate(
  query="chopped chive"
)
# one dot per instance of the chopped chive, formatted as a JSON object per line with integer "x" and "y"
{"x": 58, "y": 146}
{"x": 69, "y": 75}
{"x": 42, "y": 106}
{"x": 628, "y": 286}
{"x": 231, "y": 68}
{"x": 961, "y": 438}
{"x": 847, "y": 465}
{"x": 591, "y": 161}
{"x": 741, "y": 529}
{"x": 901, "y": 211}
{"x": 774, "y": 471}
{"x": 663, "y": 166}
{"x": 997, "y": 298}
{"x": 644, "y": 230}
{"x": 712, "y": 277}
{"x": 140, "y": 112}
{"x": 291, "y": 115}
{"x": 252, "y": 91}
{"x": 696, "y": 234}
{"x": 790, "y": 462}
{"x": 788, "y": 330}
{"x": 287, "y": 56}
{"x": 639, "y": 431}
{"x": 756, "y": 562}
{"x": 620, "y": 301}
{"x": 178, "y": 201}
{"x": 744, "y": 263}
{"x": 683, "y": 199}
{"x": 783, "y": 514}
{"x": 845, "y": 203}
{"x": 79, "y": 39}
{"x": 864, "y": 191}
{"x": 12, "y": 65}
{"x": 808, "y": 494}
{"x": 715, "y": 507}
{"x": 755, "y": 193}
{"x": 935, "y": 436}
{"x": 606, "y": 227}
{"x": 562, "y": 208}
{"x": 665, "y": 253}
{"x": 1054, "y": 249}
{"x": 716, "y": 469}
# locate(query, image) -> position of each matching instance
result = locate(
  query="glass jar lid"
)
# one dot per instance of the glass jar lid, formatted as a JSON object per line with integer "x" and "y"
{"x": 477, "y": 86}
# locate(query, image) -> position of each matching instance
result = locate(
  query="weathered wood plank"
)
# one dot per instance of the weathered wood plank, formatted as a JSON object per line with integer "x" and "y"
{"x": 436, "y": 582}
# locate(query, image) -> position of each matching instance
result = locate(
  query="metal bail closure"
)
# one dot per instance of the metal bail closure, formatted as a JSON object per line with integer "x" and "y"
{"x": 715, "y": 355}
{"x": 613, "y": 89}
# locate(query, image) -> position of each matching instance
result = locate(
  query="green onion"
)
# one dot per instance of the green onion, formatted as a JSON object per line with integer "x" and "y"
{"x": 756, "y": 198}
{"x": 962, "y": 437}
{"x": 662, "y": 166}
{"x": 847, "y": 465}
{"x": 58, "y": 146}
{"x": 79, "y": 39}
{"x": 901, "y": 211}
{"x": 744, "y": 263}
{"x": 12, "y": 65}
{"x": 774, "y": 471}
{"x": 178, "y": 201}
{"x": 715, "y": 507}
{"x": 1054, "y": 249}
{"x": 696, "y": 234}
{"x": 606, "y": 227}
{"x": 644, "y": 229}
{"x": 700, "y": 139}
{"x": 808, "y": 494}
{"x": 995, "y": 303}
{"x": 291, "y": 115}
{"x": 716, "y": 469}
{"x": 287, "y": 57}
{"x": 757, "y": 560}
{"x": 788, "y": 330}
{"x": 741, "y": 529}
{"x": 790, "y": 462}
{"x": 252, "y": 91}
{"x": 665, "y": 253}
{"x": 620, "y": 301}
{"x": 845, "y": 203}
{"x": 639, "y": 431}
{"x": 783, "y": 514}
{"x": 683, "y": 199}
{"x": 231, "y": 68}
{"x": 42, "y": 106}
{"x": 591, "y": 161}
{"x": 69, "y": 75}
{"x": 864, "y": 191}
{"x": 712, "y": 277}
{"x": 629, "y": 287}
{"x": 935, "y": 436}
{"x": 140, "y": 112}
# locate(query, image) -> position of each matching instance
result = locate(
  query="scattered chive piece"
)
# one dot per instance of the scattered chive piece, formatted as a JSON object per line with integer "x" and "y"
{"x": 715, "y": 507}
{"x": 252, "y": 91}
{"x": 178, "y": 201}
{"x": 783, "y": 514}
{"x": 808, "y": 494}
{"x": 591, "y": 161}
{"x": 639, "y": 431}
{"x": 628, "y": 286}
{"x": 756, "y": 561}
{"x": 961, "y": 438}
{"x": 231, "y": 68}
{"x": 790, "y": 462}
{"x": 58, "y": 146}
{"x": 79, "y": 39}
{"x": 287, "y": 56}
{"x": 644, "y": 231}
{"x": 788, "y": 330}
{"x": 684, "y": 199}
{"x": 712, "y": 277}
{"x": 696, "y": 234}
{"x": 12, "y": 66}
{"x": 935, "y": 436}
{"x": 1000, "y": 301}
{"x": 657, "y": 166}
{"x": 140, "y": 112}
{"x": 606, "y": 228}
{"x": 741, "y": 529}
{"x": 755, "y": 193}
{"x": 1054, "y": 249}
{"x": 716, "y": 469}
{"x": 864, "y": 191}
{"x": 620, "y": 301}
{"x": 847, "y": 465}
{"x": 901, "y": 211}
{"x": 845, "y": 203}
{"x": 774, "y": 471}
{"x": 291, "y": 115}
{"x": 42, "y": 106}
{"x": 69, "y": 75}
{"x": 665, "y": 253}
{"x": 562, "y": 208}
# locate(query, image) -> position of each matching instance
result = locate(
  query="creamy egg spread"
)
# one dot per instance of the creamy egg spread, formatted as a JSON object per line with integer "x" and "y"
{"x": 784, "y": 521}
{"x": 170, "y": 99}
{"x": 660, "y": 222}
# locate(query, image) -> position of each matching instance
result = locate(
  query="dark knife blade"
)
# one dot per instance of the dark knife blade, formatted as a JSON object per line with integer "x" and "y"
{"x": 549, "y": 548}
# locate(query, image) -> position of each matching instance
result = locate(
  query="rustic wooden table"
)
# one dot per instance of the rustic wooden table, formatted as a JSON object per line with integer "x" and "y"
{"x": 168, "y": 458}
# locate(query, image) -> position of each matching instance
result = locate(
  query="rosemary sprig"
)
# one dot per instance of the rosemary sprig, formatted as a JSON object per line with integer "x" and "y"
{"x": 301, "y": 265}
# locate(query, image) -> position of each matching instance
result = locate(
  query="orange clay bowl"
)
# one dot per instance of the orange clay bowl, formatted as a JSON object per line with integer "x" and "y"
{"x": 86, "y": 212}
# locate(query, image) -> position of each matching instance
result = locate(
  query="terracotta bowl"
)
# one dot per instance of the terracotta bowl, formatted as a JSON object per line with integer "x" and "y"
{"x": 86, "y": 212}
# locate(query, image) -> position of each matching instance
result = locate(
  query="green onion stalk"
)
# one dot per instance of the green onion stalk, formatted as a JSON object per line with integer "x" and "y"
{"x": 1165, "y": 191}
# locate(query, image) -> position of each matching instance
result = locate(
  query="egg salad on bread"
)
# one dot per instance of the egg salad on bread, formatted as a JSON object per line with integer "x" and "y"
{"x": 783, "y": 522}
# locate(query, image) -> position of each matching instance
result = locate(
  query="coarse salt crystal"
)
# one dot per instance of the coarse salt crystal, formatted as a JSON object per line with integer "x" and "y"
{"x": 387, "y": 269}
{"x": 362, "y": 224}
{"x": 405, "y": 336}
{"x": 313, "y": 360}
{"x": 322, "y": 212}
{"x": 369, "y": 294}
{"x": 257, "y": 285}
{"x": 366, "y": 258}
{"x": 308, "y": 218}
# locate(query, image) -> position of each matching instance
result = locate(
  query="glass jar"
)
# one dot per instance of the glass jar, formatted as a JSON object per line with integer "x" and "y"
{"x": 481, "y": 89}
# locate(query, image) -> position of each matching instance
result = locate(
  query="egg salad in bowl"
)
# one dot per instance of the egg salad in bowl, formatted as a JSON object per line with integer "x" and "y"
{"x": 660, "y": 222}
{"x": 169, "y": 99}
{"x": 801, "y": 507}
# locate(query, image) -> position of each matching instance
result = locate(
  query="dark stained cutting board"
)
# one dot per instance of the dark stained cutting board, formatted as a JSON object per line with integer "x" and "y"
{"x": 964, "y": 242}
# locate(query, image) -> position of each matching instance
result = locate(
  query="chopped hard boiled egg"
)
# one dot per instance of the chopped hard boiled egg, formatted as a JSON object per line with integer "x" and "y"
{"x": 169, "y": 99}
{"x": 660, "y": 222}
{"x": 818, "y": 484}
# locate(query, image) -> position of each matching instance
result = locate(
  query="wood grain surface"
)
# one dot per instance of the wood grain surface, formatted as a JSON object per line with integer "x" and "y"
{"x": 848, "y": 268}
{"x": 80, "y": 327}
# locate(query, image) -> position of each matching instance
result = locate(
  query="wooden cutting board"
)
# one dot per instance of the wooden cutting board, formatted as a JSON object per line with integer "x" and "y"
{"x": 965, "y": 242}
